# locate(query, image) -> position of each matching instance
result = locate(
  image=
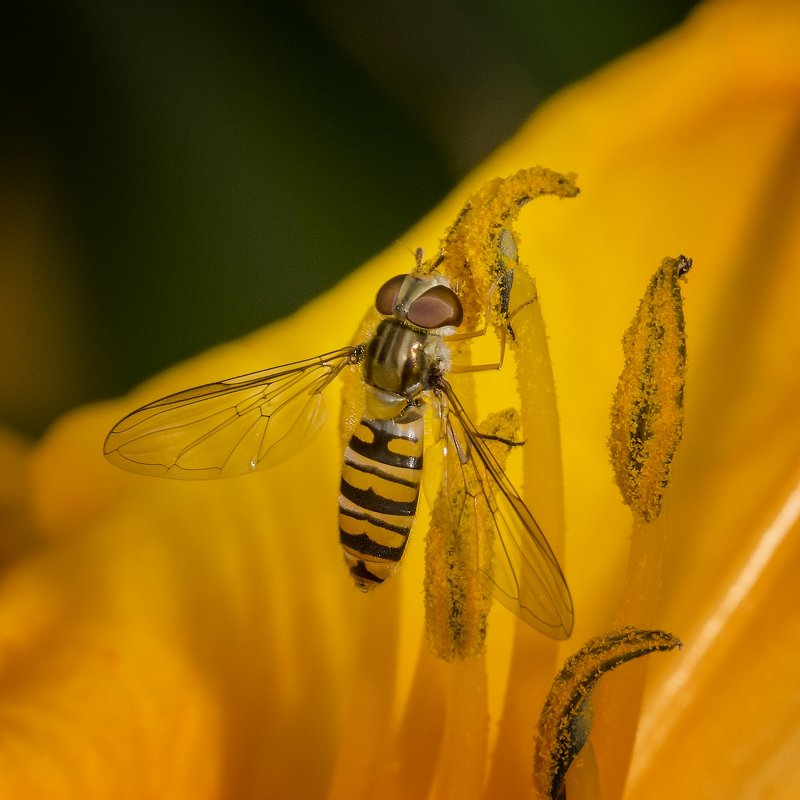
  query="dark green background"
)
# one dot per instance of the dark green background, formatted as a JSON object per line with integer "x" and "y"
{"x": 218, "y": 163}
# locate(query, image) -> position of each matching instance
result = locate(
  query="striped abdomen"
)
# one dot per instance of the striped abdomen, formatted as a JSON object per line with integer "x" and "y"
{"x": 378, "y": 495}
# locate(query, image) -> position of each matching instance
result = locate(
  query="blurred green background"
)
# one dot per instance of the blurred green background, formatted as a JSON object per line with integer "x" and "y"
{"x": 174, "y": 175}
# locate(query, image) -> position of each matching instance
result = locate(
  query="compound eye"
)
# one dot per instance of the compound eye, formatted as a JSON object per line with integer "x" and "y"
{"x": 437, "y": 308}
{"x": 386, "y": 298}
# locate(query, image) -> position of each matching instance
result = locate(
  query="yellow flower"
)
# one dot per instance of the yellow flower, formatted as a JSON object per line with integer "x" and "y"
{"x": 162, "y": 639}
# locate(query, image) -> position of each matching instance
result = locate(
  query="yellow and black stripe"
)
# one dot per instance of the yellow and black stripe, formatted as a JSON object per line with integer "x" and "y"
{"x": 378, "y": 495}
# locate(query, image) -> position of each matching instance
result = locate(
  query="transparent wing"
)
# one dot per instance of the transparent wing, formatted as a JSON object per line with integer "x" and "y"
{"x": 525, "y": 574}
{"x": 231, "y": 427}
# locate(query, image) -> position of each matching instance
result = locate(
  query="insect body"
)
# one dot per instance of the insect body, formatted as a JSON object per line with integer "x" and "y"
{"x": 258, "y": 420}
{"x": 383, "y": 461}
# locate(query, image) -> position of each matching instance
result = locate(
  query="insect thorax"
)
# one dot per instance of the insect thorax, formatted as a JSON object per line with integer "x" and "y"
{"x": 400, "y": 363}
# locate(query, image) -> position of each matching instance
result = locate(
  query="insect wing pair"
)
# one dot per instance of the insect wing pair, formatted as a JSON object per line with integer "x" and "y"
{"x": 258, "y": 420}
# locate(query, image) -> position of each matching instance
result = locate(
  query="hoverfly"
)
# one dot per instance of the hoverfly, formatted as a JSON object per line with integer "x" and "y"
{"x": 258, "y": 420}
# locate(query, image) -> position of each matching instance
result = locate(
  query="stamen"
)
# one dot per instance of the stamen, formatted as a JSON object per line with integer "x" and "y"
{"x": 647, "y": 410}
{"x": 566, "y": 719}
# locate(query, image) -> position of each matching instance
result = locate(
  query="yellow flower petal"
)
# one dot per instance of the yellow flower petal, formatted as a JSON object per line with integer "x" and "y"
{"x": 203, "y": 641}
{"x": 728, "y": 712}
